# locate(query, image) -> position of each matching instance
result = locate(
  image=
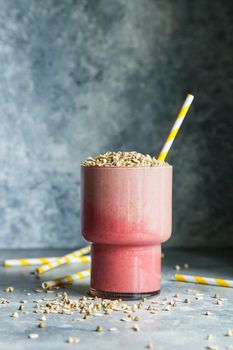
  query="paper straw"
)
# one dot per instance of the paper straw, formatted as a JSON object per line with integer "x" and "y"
{"x": 63, "y": 260}
{"x": 176, "y": 127}
{"x": 39, "y": 261}
{"x": 67, "y": 279}
{"x": 27, "y": 262}
{"x": 204, "y": 280}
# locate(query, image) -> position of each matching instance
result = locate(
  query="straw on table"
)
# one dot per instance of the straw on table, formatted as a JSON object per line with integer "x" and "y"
{"x": 27, "y": 262}
{"x": 39, "y": 261}
{"x": 179, "y": 119}
{"x": 67, "y": 279}
{"x": 63, "y": 260}
{"x": 204, "y": 280}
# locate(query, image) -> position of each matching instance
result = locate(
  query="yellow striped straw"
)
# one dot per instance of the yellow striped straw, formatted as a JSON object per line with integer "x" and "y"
{"x": 204, "y": 280}
{"x": 176, "y": 127}
{"x": 63, "y": 260}
{"x": 27, "y": 262}
{"x": 39, "y": 261}
{"x": 67, "y": 279}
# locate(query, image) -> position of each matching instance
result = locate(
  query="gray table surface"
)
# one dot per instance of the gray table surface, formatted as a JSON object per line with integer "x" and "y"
{"x": 184, "y": 327}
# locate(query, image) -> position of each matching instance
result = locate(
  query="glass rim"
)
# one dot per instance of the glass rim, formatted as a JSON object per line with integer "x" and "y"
{"x": 126, "y": 167}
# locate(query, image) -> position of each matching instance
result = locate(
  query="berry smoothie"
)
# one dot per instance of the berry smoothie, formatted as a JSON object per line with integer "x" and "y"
{"x": 126, "y": 213}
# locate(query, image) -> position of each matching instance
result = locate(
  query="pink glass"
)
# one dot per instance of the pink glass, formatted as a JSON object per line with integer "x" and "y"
{"x": 126, "y": 213}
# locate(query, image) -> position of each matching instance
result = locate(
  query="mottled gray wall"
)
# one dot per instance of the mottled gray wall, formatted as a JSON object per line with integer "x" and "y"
{"x": 82, "y": 77}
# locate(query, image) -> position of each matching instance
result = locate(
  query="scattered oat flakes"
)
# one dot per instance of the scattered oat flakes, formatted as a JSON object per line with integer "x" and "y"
{"x": 136, "y": 318}
{"x": 112, "y": 329}
{"x": 21, "y": 307}
{"x": 126, "y": 319}
{"x": 43, "y": 318}
{"x": 86, "y": 306}
{"x": 140, "y": 305}
{"x": 28, "y": 294}
{"x": 186, "y": 301}
{"x": 99, "y": 329}
{"x": 177, "y": 267}
{"x": 9, "y": 289}
{"x": 206, "y": 313}
{"x": 216, "y": 296}
{"x": 149, "y": 346}
{"x": 209, "y": 337}
{"x": 136, "y": 327}
{"x": 176, "y": 295}
{"x": 219, "y": 302}
{"x": 212, "y": 347}
{"x": 41, "y": 325}
{"x": 33, "y": 336}
{"x": 4, "y": 301}
{"x": 167, "y": 308}
{"x": 229, "y": 333}
{"x": 73, "y": 340}
{"x": 23, "y": 301}
{"x": 15, "y": 315}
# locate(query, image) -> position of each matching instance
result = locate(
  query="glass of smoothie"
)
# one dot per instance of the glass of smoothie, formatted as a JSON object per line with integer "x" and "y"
{"x": 126, "y": 213}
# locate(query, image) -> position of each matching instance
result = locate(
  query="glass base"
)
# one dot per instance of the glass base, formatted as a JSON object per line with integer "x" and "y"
{"x": 124, "y": 296}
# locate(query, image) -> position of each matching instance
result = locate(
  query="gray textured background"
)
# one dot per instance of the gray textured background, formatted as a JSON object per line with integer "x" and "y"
{"x": 82, "y": 77}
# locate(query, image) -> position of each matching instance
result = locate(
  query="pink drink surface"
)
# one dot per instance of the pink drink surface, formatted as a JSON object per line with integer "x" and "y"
{"x": 126, "y": 214}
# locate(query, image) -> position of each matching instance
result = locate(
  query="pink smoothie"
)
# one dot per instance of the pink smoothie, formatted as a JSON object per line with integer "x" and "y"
{"x": 126, "y": 213}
